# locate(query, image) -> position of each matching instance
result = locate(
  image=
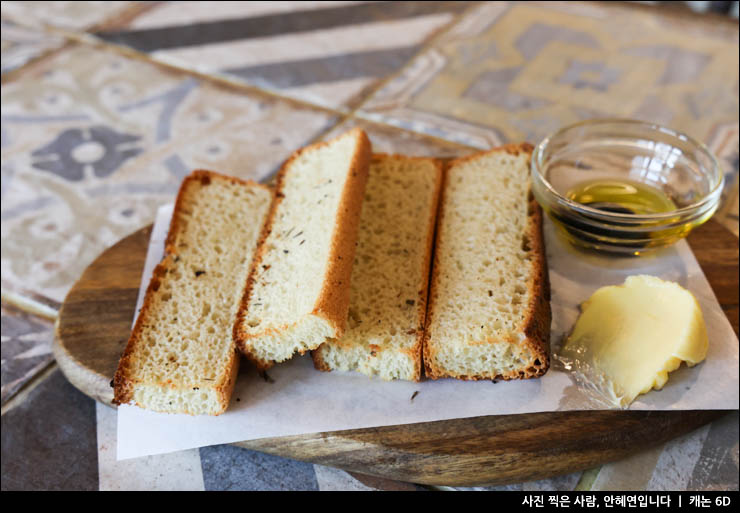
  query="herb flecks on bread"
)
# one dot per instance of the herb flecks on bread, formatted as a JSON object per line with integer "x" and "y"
{"x": 390, "y": 272}
{"x": 297, "y": 295}
{"x": 180, "y": 357}
{"x": 489, "y": 312}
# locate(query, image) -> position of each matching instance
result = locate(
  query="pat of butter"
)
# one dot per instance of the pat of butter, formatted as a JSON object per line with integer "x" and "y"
{"x": 629, "y": 337}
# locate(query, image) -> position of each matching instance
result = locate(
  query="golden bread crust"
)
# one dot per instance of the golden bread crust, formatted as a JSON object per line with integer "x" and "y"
{"x": 415, "y": 352}
{"x": 333, "y": 301}
{"x": 123, "y": 383}
{"x": 536, "y": 325}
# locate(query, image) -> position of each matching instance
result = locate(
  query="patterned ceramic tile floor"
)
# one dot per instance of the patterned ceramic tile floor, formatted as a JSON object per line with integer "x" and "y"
{"x": 68, "y": 15}
{"x": 22, "y": 44}
{"x": 324, "y": 52}
{"x": 106, "y": 105}
{"x": 94, "y": 143}
{"x": 48, "y": 439}
{"x": 26, "y": 348}
{"x": 517, "y": 71}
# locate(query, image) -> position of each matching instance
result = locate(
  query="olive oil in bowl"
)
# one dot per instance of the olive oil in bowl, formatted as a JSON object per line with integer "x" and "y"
{"x": 621, "y": 197}
{"x": 623, "y": 186}
{"x": 633, "y": 227}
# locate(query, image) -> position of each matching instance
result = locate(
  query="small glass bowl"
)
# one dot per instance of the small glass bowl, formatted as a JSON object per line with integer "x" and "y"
{"x": 618, "y": 150}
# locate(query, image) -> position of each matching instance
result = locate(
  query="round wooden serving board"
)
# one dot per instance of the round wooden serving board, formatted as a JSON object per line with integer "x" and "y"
{"x": 95, "y": 321}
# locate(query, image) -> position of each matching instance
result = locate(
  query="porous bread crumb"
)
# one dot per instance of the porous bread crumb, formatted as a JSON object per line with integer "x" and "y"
{"x": 298, "y": 293}
{"x": 489, "y": 312}
{"x": 390, "y": 272}
{"x": 181, "y": 357}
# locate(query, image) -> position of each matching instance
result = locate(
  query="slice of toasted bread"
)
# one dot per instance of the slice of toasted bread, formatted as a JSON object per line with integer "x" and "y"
{"x": 390, "y": 272}
{"x": 297, "y": 294}
{"x": 489, "y": 311}
{"x": 180, "y": 357}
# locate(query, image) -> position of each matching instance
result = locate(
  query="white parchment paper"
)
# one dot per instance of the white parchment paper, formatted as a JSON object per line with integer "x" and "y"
{"x": 303, "y": 400}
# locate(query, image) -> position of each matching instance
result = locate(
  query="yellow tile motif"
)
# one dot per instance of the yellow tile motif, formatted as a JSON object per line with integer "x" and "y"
{"x": 571, "y": 66}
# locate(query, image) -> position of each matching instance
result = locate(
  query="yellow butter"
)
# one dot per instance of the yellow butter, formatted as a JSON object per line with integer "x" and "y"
{"x": 629, "y": 337}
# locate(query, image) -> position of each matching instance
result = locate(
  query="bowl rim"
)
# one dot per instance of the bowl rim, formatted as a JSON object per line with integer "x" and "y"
{"x": 710, "y": 197}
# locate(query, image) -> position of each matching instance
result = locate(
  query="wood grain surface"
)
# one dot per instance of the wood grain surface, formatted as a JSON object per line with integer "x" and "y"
{"x": 95, "y": 321}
